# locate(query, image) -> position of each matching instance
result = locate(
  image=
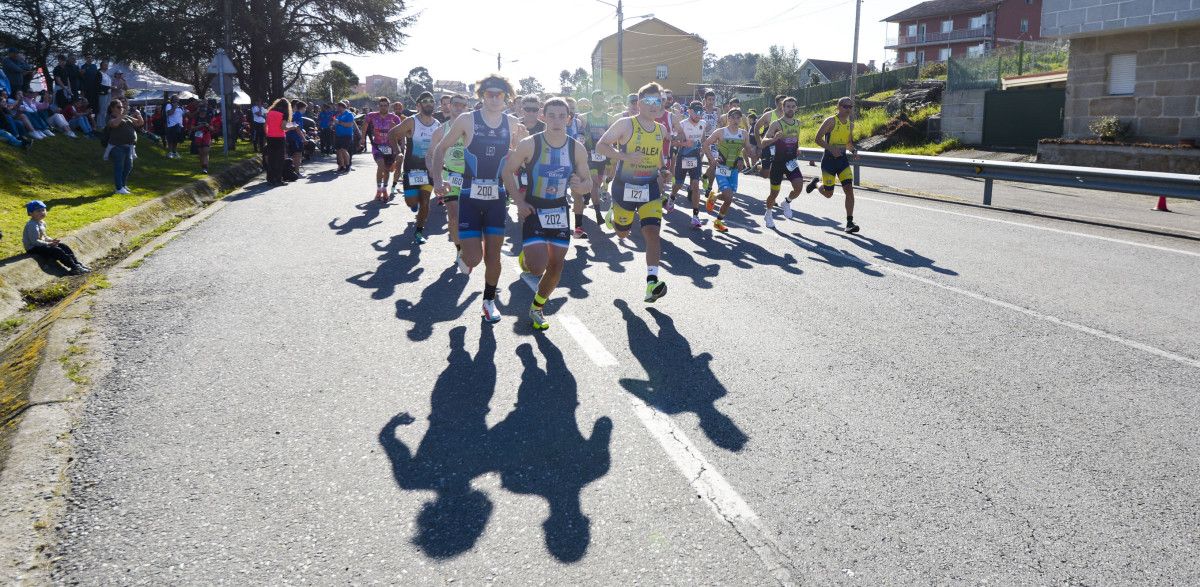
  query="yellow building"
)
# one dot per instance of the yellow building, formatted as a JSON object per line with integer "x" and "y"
{"x": 654, "y": 51}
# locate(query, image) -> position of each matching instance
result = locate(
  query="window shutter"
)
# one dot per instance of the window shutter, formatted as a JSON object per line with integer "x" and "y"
{"x": 1122, "y": 75}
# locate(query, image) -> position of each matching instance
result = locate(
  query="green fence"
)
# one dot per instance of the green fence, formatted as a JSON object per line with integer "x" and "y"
{"x": 984, "y": 72}
{"x": 822, "y": 93}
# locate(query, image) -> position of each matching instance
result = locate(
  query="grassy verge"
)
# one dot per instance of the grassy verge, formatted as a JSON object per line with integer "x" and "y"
{"x": 929, "y": 149}
{"x": 70, "y": 176}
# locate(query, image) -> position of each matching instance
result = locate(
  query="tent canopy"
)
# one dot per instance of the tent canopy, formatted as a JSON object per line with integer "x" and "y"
{"x": 141, "y": 78}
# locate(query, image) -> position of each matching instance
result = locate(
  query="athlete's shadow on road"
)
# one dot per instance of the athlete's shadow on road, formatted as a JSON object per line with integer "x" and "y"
{"x": 438, "y": 303}
{"x": 886, "y": 252}
{"x": 370, "y": 211}
{"x": 830, "y": 256}
{"x": 537, "y": 450}
{"x": 678, "y": 381}
{"x": 393, "y": 270}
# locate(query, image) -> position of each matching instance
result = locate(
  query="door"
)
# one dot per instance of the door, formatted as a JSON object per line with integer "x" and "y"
{"x": 1020, "y": 118}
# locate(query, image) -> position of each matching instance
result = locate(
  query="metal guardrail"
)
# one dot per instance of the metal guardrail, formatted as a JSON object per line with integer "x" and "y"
{"x": 1151, "y": 183}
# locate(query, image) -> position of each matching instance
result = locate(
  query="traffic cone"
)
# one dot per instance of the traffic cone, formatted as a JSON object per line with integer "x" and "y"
{"x": 1162, "y": 205}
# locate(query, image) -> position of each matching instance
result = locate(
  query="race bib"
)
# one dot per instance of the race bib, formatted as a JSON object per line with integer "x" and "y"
{"x": 418, "y": 177}
{"x": 485, "y": 189}
{"x": 793, "y": 165}
{"x": 724, "y": 171}
{"x": 689, "y": 163}
{"x": 524, "y": 180}
{"x": 637, "y": 193}
{"x": 456, "y": 180}
{"x": 199, "y": 134}
{"x": 384, "y": 149}
{"x": 597, "y": 157}
{"x": 553, "y": 218}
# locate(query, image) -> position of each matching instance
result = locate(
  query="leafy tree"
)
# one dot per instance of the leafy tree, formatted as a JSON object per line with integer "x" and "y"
{"x": 417, "y": 81}
{"x": 530, "y": 85}
{"x": 564, "y": 77}
{"x": 317, "y": 87}
{"x": 346, "y": 71}
{"x": 383, "y": 87}
{"x": 738, "y": 67}
{"x": 41, "y": 28}
{"x": 582, "y": 81}
{"x": 778, "y": 71}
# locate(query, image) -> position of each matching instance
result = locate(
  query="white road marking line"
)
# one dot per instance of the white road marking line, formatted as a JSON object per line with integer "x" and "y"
{"x": 1034, "y": 226}
{"x": 709, "y": 484}
{"x": 1028, "y": 312}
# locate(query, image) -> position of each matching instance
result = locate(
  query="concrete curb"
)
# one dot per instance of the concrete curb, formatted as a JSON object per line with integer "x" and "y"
{"x": 100, "y": 239}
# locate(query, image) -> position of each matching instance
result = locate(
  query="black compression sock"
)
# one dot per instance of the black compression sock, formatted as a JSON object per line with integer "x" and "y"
{"x": 489, "y": 291}
{"x": 579, "y": 220}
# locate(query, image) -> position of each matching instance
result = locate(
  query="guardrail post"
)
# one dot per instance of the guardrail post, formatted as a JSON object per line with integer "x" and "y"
{"x": 987, "y": 192}
{"x": 857, "y": 175}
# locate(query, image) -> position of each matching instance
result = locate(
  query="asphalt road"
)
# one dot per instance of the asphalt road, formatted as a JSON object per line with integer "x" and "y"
{"x": 955, "y": 395}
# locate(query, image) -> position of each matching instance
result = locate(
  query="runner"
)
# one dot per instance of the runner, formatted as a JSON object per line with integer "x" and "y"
{"x": 635, "y": 143}
{"x": 552, "y": 161}
{"x": 417, "y": 133}
{"x": 379, "y": 124}
{"x": 597, "y": 122}
{"x": 398, "y": 166}
{"x": 443, "y": 113}
{"x": 834, "y": 137}
{"x": 452, "y": 173}
{"x": 690, "y": 135}
{"x": 730, "y": 143}
{"x": 711, "y": 116}
{"x": 488, "y": 134}
{"x": 784, "y": 136}
{"x": 529, "y": 112}
{"x": 764, "y": 122}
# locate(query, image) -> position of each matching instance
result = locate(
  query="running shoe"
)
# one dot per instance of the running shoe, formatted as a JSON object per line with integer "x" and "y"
{"x": 851, "y": 227}
{"x": 709, "y": 201}
{"x": 696, "y": 222}
{"x": 768, "y": 220}
{"x": 538, "y": 316}
{"x": 812, "y": 185}
{"x": 599, "y": 217}
{"x": 608, "y": 219}
{"x": 462, "y": 266}
{"x": 414, "y": 208}
{"x": 392, "y": 194}
{"x": 670, "y": 205}
{"x": 720, "y": 226}
{"x": 579, "y": 233}
{"x": 655, "y": 290}
{"x": 419, "y": 237}
{"x": 490, "y": 314}
{"x": 521, "y": 262}
{"x": 787, "y": 208}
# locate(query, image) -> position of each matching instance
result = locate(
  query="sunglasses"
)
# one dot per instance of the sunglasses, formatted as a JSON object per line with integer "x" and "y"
{"x": 531, "y": 109}
{"x": 424, "y": 101}
{"x": 844, "y": 106}
{"x": 651, "y": 100}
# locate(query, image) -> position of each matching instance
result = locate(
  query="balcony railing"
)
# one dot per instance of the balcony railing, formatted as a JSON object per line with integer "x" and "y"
{"x": 940, "y": 37}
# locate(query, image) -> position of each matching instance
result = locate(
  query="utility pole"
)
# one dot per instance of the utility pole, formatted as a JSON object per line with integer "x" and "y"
{"x": 854, "y": 67}
{"x": 620, "y": 46}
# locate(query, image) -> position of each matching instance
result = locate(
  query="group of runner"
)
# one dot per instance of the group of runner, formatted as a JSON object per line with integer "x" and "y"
{"x": 551, "y": 160}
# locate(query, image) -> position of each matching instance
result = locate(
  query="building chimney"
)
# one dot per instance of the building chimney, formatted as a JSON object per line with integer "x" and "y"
{"x": 871, "y": 65}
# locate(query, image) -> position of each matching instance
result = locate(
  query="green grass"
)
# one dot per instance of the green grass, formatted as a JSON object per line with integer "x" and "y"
{"x": 930, "y": 149}
{"x": 69, "y": 175}
{"x": 11, "y": 323}
{"x": 880, "y": 96}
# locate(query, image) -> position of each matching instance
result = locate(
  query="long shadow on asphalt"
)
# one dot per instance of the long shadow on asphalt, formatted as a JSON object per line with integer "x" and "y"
{"x": 438, "y": 303}
{"x": 830, "y": 256}
{"x": 886, "y": 252}
{"x": 678, "y": 381}
{"x": 370, "y": 211}
{"x": 537, "y": 450}
{"x": 716, "y": 246}
{"x": 394, "y": 268}
{"x": 256, "y": 190}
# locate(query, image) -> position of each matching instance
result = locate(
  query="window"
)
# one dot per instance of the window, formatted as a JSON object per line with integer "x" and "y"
{"x": 947, "y": 26}
{"x": 1121, "y": 73}
{"x": 978, "y": 22}
{"x": 922, "y": 30}
{"x": 660, "y": 72}
{"x": 1024, "y": 25}
{"x": 976, "y": 50}
{"x": 943, "y": 54}
{"x": 910, "y": 57}
{"x": 912, "y": 30}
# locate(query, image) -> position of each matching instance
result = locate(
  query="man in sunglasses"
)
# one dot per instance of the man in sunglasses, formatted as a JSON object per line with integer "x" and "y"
{"x": 635, "y": 143}
{"x": 453, "y": 169}
{"x": 597, "y": 122}
{"x": 712, "y": 118}
{"x": 784, "y": 136}
{"x": 689, "y": 135}
{"x": 488, "y": 135}
{"x": 768, "y": 154}
{"x": 552, "y": 162}
{"x": 417, "y": 133}
{"x": 531, "y": 107}
{"x": 834, "y": 137}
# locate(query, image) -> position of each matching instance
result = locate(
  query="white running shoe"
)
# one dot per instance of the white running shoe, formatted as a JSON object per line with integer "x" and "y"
{"x": 47, "y": 133}
{"x": 37, "y": 134}
{"x": 72, "y": 134}
{"x": 768, "y": 220}
{"x": 490, "y": 314}
{"x": 787, "y": 208}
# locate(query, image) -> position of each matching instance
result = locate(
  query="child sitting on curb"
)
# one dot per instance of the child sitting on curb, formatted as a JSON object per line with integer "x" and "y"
{"x": 44, "y": 247}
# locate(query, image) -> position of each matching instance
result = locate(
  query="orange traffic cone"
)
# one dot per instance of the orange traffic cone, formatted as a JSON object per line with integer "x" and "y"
{"x": 1162, "y": 205}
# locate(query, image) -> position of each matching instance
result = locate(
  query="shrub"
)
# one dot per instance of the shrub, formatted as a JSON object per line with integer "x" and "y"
{"x": 933, "y": 70}
{"x": 1108, "y": 127}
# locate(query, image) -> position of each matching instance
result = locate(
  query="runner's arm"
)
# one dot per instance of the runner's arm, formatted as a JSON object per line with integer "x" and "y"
{"x": 822, "y": 132}
{"x": 519, "y": 157}
{"x": 772, "y": 135}
{"x": 619, "y": 132}
{"x": 582, "y": 174}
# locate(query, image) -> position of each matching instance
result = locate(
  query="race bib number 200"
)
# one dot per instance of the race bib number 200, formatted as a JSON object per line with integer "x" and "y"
{"x": 485, "y": 190}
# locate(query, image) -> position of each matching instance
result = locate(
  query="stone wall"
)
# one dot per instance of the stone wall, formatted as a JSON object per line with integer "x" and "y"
{"x": 962, "y": 116}
{"x": 1166, "y": 101}
{"x": 1066, "y": 18}
{"x": 1178, "y": 160}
